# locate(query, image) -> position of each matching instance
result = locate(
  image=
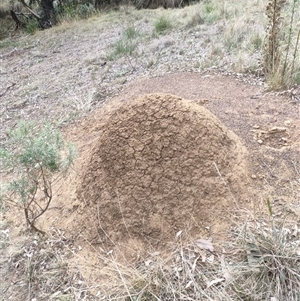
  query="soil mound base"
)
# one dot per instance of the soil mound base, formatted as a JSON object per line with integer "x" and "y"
{"x": 160, "y": 165}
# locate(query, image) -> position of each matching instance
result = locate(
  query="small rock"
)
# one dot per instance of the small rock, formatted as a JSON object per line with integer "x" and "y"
{"x": 253, "y": 176}
{"x": 256, "y": 126}
{"x": 260, "y": 141}
{"x": 287, "y": 122}
{"x": 277, "y": 129}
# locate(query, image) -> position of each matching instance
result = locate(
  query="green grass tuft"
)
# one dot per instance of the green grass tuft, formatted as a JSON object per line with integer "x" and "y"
{"x": 162, "y": 24}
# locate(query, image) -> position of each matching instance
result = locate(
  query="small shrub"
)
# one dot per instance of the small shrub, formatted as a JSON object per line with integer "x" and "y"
{"x": 162, "y": 24}
{"x": 35, "y": 158}
{"x": 32, "y": 26}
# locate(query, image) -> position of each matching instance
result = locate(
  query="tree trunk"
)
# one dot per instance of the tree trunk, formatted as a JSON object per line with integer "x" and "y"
{"x": 49, "y": 15}
{"x": 18, "y": 22}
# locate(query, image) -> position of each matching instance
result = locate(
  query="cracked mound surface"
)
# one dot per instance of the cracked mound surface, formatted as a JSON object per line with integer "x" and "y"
{"x": 161, "y": 164}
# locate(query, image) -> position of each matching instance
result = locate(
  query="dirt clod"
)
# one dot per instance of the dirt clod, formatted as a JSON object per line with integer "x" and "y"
{"x": 161, "y": 164}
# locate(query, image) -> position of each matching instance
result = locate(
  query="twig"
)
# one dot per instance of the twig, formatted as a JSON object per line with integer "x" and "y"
{"x": 29, "y": 277}
{"x": 8, "y": 54}
{"x": 30, "y": 10}
{"x": 226, "y": 184}
{"x": 270, "y": 171}
{"x": 99, "y": 222}
{"x": 121, "y": 211}
{"x": 121, "y": 277}
{"x": 6, "y": 90}
{"x": 218, "y": 171}
{"x": 295, "y": 167}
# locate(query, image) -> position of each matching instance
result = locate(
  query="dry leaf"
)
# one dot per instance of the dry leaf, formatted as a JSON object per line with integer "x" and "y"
{"x": 178, "y": 234}
{"x": 204, "y": 244}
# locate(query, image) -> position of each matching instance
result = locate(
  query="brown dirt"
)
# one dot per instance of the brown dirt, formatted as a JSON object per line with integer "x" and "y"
{"x": 160, "y": 165}
{"x": 273, "y": 164}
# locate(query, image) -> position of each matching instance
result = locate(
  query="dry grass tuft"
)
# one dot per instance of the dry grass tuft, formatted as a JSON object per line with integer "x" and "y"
{"x": 270, "y": 269}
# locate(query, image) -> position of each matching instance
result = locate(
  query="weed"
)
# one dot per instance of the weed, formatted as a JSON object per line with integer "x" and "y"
{"x": 124, "y": 47}
{"x": 281, "y": 45}
{"x": 210, "y": 13}
{"x": 162, "y": 24}
{"x": 35, "y": 159}
{"x": 197, "y": 65}
{"x": 150, "y": 64}
{"x": 131, "y": 32}
{"x": 208, "y": 8}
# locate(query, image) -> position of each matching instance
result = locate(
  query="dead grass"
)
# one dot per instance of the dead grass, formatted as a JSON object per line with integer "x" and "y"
{"x": 36, "y": 268}
{"x": 259, "y": 261}
{"x": 272, "y": 261}
{"x": 236, "y": 26}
